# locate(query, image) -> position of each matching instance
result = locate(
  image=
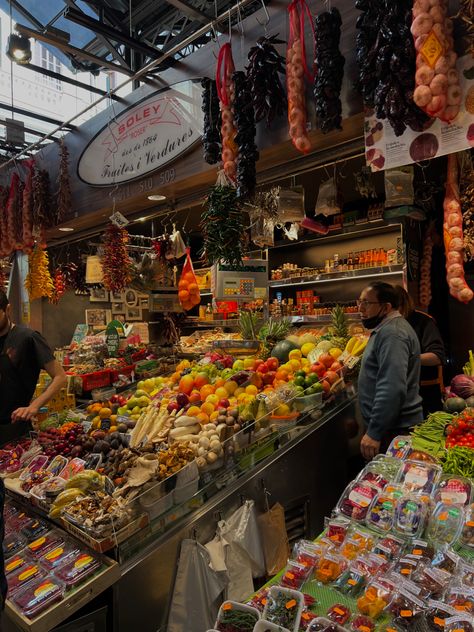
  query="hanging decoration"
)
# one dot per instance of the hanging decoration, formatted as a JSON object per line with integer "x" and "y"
{"x": 27, "y": 229}
{"x": 226, "y": 93}
{"x": 59, "y": 286}
{"x": 38, "y": 282}
{"x": 43, "y": 214}
{"x": 263, "y": 77}
{"x": 245, "y": 138}
{"x": 386, "y": 58}
{"x": 453, "y": 235}
{"x": 296, "y": 71}
{"x": 222, "y": 225}
{"x": 12, "y": 203}
{"x": 63, "y": 196}
{"x": 211, "y": 136}
{"x": 116, "y": 262}
{"x": 330, "y": 70}
{"x": 75, "y": 275}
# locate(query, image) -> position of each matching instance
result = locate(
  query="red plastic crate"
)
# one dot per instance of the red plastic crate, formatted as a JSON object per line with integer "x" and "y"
{"x": 125, "y": 370}
{"x": 95, "y": 380}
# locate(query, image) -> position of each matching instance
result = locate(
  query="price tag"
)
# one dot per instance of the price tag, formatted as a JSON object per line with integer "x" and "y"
{"x": 432, "y": 49}
{"x": 290, "y": 604}
{"x": 227, "y": 606}
{"x": 406, "y": 613}
{"x": 439, "y": 621}
{"x": 289, "y": 575}
{"x": 118, "y": 219}
{"x": 352, "y": 361}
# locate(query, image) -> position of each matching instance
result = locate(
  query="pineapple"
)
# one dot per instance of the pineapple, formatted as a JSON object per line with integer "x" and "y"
{"x": 272, "y": 332}
{"x": 339, "y": 328}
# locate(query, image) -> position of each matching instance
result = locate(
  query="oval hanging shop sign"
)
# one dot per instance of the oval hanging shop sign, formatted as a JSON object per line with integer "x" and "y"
{"x": 144, "y": 137}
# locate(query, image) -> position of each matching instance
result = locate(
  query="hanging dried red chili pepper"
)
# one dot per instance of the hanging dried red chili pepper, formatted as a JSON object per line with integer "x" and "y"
{"x": 27, "y": 227}
{"x": 12, "y": 207}
{"x": 63, "y": 200}
{"x": 225, "y": 91}
{"x": 3, "y": 221}
{"x": 116, "y": 262}
{"x": 59, "y": 283}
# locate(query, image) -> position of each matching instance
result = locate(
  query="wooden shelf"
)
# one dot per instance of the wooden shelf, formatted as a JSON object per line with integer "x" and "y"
{"x": 364, "y": 273}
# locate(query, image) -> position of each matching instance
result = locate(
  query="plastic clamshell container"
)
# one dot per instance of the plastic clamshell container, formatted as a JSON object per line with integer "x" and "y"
{"x": 38, "y": 596}
{"x": 410, "y": 516}
{"x": 13, "y": 544}
{"x": 17, "y": 562}
{"x": 35, "y": 529}
{"x": 308, "y": 402}
{"x": 459, "y": 623}
{"x": 295, "y": 574}
{"x": 374, "y": 475}
{"x": 454, "y": 490}
{"x": 78, "y": 567}
{"x": 466, "y": 537}
{"x": 228, "y": 606}
{"x": 355, "y": 500}
{"x": 400, "y": 447}
{"x": 267, "y": 626}
{"x": 386, "y": 465}
{"x": 58, "y": 556}
{"x": 23, "y": 576}
{"x": 322, "y": 624}
{"x": 57, "y": 464}
{"x": 445, "y": 523}
{"x": 72, "y": 468}
{"x": 44, "y": 543}
{"x": 419, "y": 476}
{"x": 279, "y": 594}
{"x": 381, "y": 514}
{"x": 48, "y": 489}
{"x": 37, "y": 463}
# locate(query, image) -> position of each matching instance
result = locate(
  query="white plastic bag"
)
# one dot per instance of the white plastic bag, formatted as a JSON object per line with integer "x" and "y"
{"x": 329, "y": 199}
{"x": 399, "y": 187}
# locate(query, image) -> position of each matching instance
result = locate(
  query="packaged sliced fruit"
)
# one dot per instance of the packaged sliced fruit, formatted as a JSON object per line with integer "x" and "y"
{"x": 389, "y": 546}
{"x": 44, "y": 543}
{"x": 59, "y": 555}
{"x": 405, "y": 608}
{"x": 35, "y": 478}
{"x": 351, "y": 548}
{"x": 306, "y": 552}
{"x": 284, "y": 607}
{"x": 339, "y": 613}
{"x": 336, "y": 529}
{"x": 23, "y": 576}
{"x": 21, "y": 520}
{"x": 459, "y": 623}
{"x": 445, "y": 523}
{"x": 13, "y": 544}
{"x": 72, "y": 468}
{"x": 264, "y": 626}
{"x": 360, "y": 623}
{"x": 410, "y": 517}
{"x": 418, "y": 476}
{"x": 306, "y": 618}
{"x": 353, "y": 580}
{"x": 461, "y": 599}
{"x": 400, "y": 447}
{"x": 355, "y": 500}
{"x": 381, "y": 514}
{"x": 436, "y": 615}
{"x": 420, "y": 548}
{"x": 34, "y": 529}
{"x": 465, "y": 574}
{"x": 37, "y": 463}
{"x": 376, "y": 474}
{"x": 446, "y": 560}
{"x": 38, "y": 596}
{"x": 329, "y": 568}
{"x": 15, "y": 563}
{"x": 363, "y": 537}
{"x": 295, "y": 574}
{"x": 57, "y": 464}
{"x": 376, "y": 598}
{"x": 433, "y": 580}
{"x": 259, "y": 599}
{"x": 466, "y": 537}
{"x": 48, "y": 489}
{"x": 420, "y": 455}
{"x": 456, "y": 490}
{"x": 406, "y": 567}
{"x": 322, "y": 624}
{"x": 77, "y": 568}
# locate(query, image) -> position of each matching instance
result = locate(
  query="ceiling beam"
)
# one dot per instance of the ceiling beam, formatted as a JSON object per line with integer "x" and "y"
{"x": 184, "y": 7}
{"x": 72, "y": 82}
{"x": 34, "y": 115}
{"x": 57, "y": 42}
{"x": 27, "y": 130}
{"x": 26, "y": 14}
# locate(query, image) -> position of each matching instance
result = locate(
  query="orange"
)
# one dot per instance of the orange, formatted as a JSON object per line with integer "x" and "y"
{"x": 193, "y": 288}
{"x": 213, "y": 416}
{"x": 200, "y": 380}
{"x": 251, "y": 390}
{"x": 183, "y": 284}
{"x": 282, "y": 374}
{"x": 206, "y": 390}
{"x": 105, "y": 413}
{"x": 193, "y": 411}
{"x": 203, "y": 418}
{"x": 219, "y": 382}
{"x": 189, "y": 277}
{"x": 295, "y": 364}
{"x": 231, "y": 386}
{"x": 186, "y": 384}
{"x": 207, "y": 408}
{"x": 194, "y": 397}
{"x": 212, "y": 399}
{"x": 221, "y": 392}
{"x": 239, "y": 391}
{"x": 183, "y": 296}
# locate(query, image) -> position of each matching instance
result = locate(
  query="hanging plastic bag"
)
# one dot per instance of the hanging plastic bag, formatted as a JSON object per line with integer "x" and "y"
{"x": 329, "y": 200}
{"x": 291, "y": 205}
{"x": 297, "y": 70}
{"x": 197, "y": 591}
{"x": 399, "y": 187}
{"x": 177, "y": 245}
{"x": 261, "y": 230}
{"x": 188, "y": 288}
{"x": 276, "y": 548}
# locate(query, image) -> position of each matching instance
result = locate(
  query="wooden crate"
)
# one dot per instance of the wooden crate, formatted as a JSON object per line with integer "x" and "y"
{"x": 111, "y": 541}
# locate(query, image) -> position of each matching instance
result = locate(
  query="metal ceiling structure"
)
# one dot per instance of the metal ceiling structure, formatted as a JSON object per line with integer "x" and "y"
{"x": 125, "y": 36}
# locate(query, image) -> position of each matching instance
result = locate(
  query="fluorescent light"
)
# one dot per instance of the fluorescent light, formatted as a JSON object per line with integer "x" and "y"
{"x": 157, "y": 197}
{"x": 66, "y": 229}
{"x": 142, "y": 219}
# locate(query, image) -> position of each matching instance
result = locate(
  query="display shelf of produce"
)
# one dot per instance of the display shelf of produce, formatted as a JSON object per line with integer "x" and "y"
{"x": 322, "y": 318}
{"x": 328, "y": 277}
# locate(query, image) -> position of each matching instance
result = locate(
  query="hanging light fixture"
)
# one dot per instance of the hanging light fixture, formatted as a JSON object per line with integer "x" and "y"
{"x": 19, "y": 49}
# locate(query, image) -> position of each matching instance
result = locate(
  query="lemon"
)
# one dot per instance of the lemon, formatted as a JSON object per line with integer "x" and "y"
{"x": 307, "y": 348}
{"x": 282, "y": 410}
{"x": 335, "y": 352}
{"x": 295, "y": 354}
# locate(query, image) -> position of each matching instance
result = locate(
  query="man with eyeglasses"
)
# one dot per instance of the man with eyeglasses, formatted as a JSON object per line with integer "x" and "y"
{"x": 389, "y": 377}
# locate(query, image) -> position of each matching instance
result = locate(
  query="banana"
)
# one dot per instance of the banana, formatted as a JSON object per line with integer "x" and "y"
{"x": 358, "y": 350}
{"x": 86, "y": 481}
{"x": 65, "y": 498}
{"x": 351, "y": 344}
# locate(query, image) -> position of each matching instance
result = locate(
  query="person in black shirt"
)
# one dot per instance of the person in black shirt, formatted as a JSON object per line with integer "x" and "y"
{"x": 433, "y": 355}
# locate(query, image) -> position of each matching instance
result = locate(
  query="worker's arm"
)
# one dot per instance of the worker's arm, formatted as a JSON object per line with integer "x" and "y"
{"x": 429, "y": 359}
{"x": 59, "y": 380}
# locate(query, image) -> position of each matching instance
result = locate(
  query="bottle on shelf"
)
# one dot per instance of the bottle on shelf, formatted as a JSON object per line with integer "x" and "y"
{"x": 350, "y": 261}
{"x": 356, "y": 261}
{"x": 336, "y": 262}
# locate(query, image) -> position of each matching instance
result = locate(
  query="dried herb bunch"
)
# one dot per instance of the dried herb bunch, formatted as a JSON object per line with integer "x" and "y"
{"x": 263, "y": 75}
{"x": 211, "y": 137}
{"x": 223, "y": 226}
{"x": 466, "y": 185}
{"x": 245, "y": 122}
{"x": 116, "y": 262}
{"x": 63, "y": 196}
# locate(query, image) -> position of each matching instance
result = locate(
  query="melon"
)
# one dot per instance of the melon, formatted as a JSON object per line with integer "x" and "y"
{"x": 470, "y": 402}
{"x": 454, "y": 404}
{"x": 294, "y": 339}
{"x": 305, "y": 338}
{"x": 282, "y": 349}
{"x": 324, "y": 345}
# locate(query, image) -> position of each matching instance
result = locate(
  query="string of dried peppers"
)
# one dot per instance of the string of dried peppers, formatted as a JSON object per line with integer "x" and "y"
{"x": 116, "y": 263}
{"x": 38, "y": 282}
{"x": 63, "y": 197}
{"x": 211, "y": 135}
{"x": 245, "y": 138}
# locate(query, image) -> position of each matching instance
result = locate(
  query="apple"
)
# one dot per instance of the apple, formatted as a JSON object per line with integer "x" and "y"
{"x": 262, "y": 368}
{"x": 223, "y": 403}
{"x": 272, "y": 364}
{"x": 172, "y": 406}
{"x": 269, "y": 377}
{"x": 318, "y": 368}
{"x": 182, "y": 400}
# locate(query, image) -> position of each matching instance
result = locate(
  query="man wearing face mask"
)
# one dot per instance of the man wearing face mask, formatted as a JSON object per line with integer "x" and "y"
{"x": 389, "y": 377}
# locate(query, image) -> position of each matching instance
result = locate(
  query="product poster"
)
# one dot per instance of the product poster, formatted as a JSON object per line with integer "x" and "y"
{"x": 384, "y": 150}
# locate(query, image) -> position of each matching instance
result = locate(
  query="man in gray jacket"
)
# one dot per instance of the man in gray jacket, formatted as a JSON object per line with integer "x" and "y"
{"x": 389, "y": 378}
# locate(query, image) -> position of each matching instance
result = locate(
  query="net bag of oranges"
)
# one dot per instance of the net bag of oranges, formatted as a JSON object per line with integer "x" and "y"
{"x": 188, "y": 287}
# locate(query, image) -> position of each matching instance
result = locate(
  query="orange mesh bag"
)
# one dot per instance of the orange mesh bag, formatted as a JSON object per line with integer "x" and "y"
{"x": 188, "y": 288}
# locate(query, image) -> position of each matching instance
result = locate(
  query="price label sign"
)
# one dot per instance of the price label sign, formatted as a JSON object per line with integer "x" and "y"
{"x": 118, "y": 219}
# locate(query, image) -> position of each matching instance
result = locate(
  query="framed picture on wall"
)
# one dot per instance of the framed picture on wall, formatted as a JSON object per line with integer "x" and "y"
{"x": 130, "y": 297}
{"x": 133, "y": 313}
{"x": 118, "y": 308}
{"x": 96, "y": 317}
{"x": 116, "y": 297}
{"x": 143, "y": 303}
{"x": 98, "y": 295}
